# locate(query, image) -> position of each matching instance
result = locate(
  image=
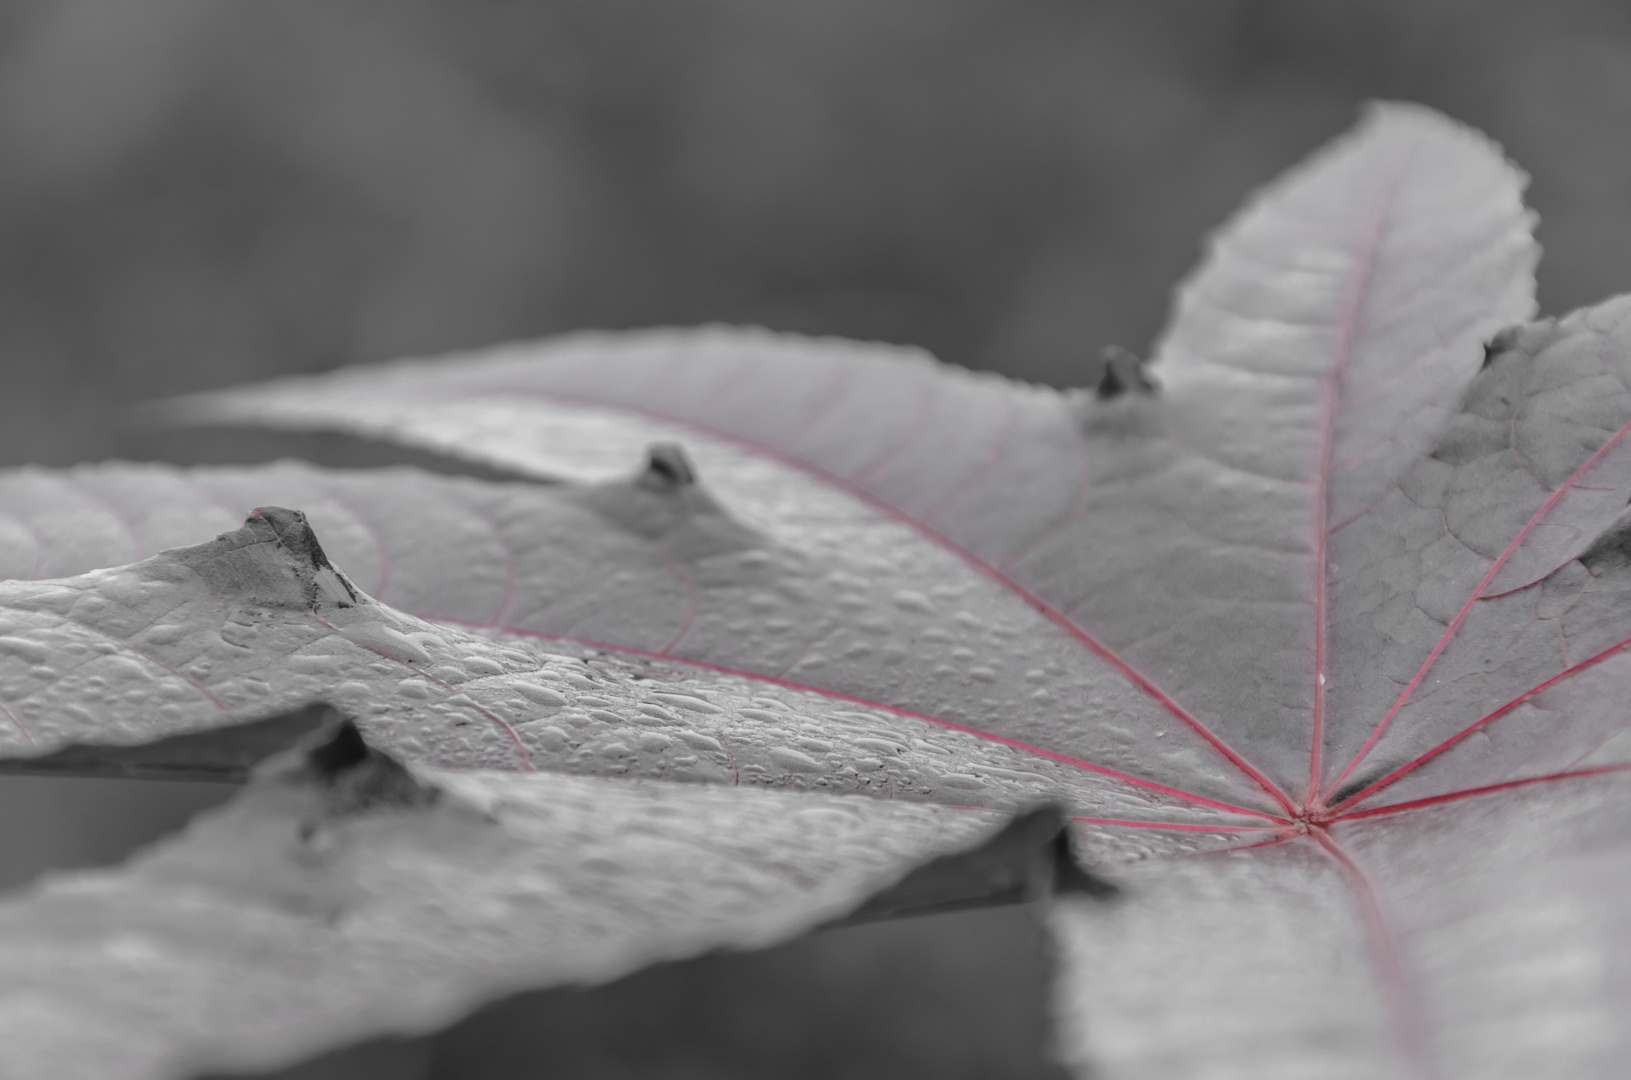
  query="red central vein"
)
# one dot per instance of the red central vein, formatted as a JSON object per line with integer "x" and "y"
{"x": 1488, "y": 789}
{"x": 983, "y": 567}
{"x": 1176, "y": 826}
{"x": 1358, "y": 285}
{"x": 837, "y": 695}
{"x": 1477, "y": 593}
{"x": 1402, "y": 999}
{"x": 1416, "y": 763}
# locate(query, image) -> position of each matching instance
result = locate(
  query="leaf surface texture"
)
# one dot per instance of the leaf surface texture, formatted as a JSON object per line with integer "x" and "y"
{"x": 1315, "y": 626}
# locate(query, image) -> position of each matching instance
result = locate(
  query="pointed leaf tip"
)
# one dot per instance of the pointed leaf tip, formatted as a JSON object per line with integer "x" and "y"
{"x": 291, "y": 529}
{"x": 353, "y": 775}
{"x": 668, "y": 468}
{"x": 274, "y": 558}
{"x": 341, "y": 749}
{"x": 1503, "y": 341}
{"x": 1070, "y": 878}
{"x": 1123, "y": 371}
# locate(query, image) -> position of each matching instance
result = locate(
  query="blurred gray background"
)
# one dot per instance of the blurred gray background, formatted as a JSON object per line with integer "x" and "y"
{"x": 195, "y": 193}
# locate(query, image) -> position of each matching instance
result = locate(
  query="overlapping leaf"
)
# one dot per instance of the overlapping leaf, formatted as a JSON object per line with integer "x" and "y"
{"x": 345, "y": 896}
{"x": 379, "y": 902}
{"x": 1321, "y": 643}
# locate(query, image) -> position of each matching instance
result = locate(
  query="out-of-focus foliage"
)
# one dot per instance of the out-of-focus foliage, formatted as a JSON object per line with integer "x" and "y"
{"x": 195, "y": 193}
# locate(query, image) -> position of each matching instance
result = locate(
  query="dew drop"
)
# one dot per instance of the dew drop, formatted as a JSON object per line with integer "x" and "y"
{"x": 793, "y": 761}
{"x": 548, "y": 736}
{"x": 657, "y": 713}
{"x": 699, "y": 741}
{"x": 164, "y": 634}
{"x": 412, "y": 688}
{"x": 688, "y": 702}
{"x": 24, "y": 649}
{"x": 540, "y": 695}
{"x": 964, "y": 781}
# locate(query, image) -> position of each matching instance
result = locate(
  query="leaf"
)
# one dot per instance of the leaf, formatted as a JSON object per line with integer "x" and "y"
{"x": 853, "y": 616}
{"x": 367, "y": 898}
{"x": 343, "y": 893}
{"x": 1314, "y": 626}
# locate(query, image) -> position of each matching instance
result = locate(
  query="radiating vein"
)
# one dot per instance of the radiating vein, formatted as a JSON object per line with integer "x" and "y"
{"x": 1477, "y": 593}
{"x": 1353, "y": 304}
{"x": 1487, "y": 789}
{"x": 1403, "y": 1000}
{"x": 985, "y": 568}
{"x": 854, "y": 699}
{"x": 1489, "y": 718}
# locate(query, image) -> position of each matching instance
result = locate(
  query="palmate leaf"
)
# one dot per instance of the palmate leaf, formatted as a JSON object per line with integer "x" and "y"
{"x": 343, "y": 894}
{"x": 1319, "y": 644}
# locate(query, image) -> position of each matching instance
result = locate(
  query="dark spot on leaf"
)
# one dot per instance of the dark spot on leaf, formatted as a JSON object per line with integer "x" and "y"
{"x": 1503, "y": 341}
{"x": 667, "y": 502}
{"x": 1611, "y": 551}
{"x": 1123, "y": 372}
{"x": 667, "y": 468}
{"x": 1352, "y": 788}
{"x": 354, "y": 776}
{"x": 344, "y": 749}
{"x": 1069, "y": 876}
{"x": 291, "y": 529}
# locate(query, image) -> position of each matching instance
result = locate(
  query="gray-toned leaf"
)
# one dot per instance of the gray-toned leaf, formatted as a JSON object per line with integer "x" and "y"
{"x": 1328, "y": 563}
{"x": 259, "y": 621}
{"x": 849, "y": 496}
{"x": 341, "y": 893}
{"x": 1315, "y": 356}
{"x": 1480, "y": 938}
{"x": 1506, "y": 537}
{"x": 1317, "y": 353}
{"x": 173, "y": 645}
